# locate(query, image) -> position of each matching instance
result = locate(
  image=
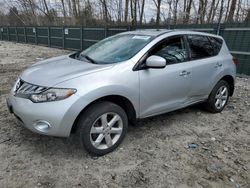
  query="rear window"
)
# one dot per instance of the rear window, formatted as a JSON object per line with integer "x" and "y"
{"x": 216, "y": 43}
{"x": 200, "y": 47}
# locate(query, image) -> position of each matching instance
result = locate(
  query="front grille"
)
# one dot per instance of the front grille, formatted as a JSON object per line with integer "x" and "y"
{"x": 23, "y": 87}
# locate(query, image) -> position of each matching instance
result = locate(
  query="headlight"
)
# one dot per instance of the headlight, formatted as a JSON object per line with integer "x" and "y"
{"x": 40, "y": 93}
{"x": 52, "y": 94}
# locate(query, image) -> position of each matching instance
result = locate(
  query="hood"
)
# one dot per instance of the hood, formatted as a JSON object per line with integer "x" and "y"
{"x": 55, "y": 70}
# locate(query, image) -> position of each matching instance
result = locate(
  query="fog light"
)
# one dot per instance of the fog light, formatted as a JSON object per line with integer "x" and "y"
{"x": 42, "y": 125}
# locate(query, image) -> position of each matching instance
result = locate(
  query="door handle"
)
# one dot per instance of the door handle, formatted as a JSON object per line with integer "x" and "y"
{"x": 184, "y": 73}
{"x": 218, "y": 65}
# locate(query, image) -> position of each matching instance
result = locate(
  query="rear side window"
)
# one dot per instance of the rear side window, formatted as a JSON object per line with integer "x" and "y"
{"x": 216, "y": 43}
{"x": 200, "y": 47}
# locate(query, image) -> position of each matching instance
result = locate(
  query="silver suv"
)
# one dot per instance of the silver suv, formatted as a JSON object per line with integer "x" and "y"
{"x": 121, "y": 79}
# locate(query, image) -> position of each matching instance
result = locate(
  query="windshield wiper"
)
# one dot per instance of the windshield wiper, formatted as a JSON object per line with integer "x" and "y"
{"x": 88, "y": 58}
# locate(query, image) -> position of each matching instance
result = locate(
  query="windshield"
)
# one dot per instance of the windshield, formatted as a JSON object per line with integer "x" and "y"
{"x": 115, "y": 49}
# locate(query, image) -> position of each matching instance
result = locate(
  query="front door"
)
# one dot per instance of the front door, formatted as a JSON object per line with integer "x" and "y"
{"x": 166, "y": 89}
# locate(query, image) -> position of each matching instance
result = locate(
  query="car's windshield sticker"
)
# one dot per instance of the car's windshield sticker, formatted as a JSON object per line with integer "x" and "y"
{"x": 141, "y": 37}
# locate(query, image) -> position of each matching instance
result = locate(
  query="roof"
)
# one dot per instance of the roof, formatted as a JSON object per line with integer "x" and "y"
{"x": 157, "y": 32}
{"x": 150, "y": 32}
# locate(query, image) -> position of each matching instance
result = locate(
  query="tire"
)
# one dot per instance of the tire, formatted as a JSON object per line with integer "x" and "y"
{"x": 100, "y": 123}
{"x": 217, "y": 100}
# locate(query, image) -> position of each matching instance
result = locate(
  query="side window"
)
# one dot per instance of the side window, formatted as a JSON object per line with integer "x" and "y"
{"x": 200, "y": 47}
{"x": 172, "y": 49}
{"x": 216, "y": 43}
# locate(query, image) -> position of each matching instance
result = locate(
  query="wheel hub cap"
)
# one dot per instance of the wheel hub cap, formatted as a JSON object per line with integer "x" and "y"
{"x": 221, "y": 97}
{"x": 106, "y": 130}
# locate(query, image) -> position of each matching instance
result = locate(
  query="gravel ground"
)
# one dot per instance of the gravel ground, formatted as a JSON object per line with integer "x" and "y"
{"x": 155, "y": 153}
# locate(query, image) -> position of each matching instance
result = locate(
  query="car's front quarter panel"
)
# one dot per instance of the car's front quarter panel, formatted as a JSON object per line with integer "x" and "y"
{"x": 120, "y": 80}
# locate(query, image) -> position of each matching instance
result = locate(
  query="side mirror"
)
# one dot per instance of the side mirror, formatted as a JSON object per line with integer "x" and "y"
{"x": 155, "y": 62}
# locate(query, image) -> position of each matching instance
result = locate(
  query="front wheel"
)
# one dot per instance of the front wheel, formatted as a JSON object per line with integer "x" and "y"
{"x": 218, "y": 98}
{"x": 102, "y": 128}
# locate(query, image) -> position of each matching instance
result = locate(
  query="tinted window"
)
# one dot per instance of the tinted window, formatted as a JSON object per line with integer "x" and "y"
{"x": 216, "y": 43}
{"x": 173, "y": 50}
{"x": 200, "y": 47}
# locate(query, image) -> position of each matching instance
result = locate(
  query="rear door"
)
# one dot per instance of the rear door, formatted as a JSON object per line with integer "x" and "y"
{"x": 205, "y": 65}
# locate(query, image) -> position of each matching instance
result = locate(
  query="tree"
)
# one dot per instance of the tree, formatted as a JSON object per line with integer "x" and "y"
{"x": 220, "y": 15}
{"x": 86, "y": 15}
{"x": 64, "y": 11}
{"x": 187, "y": 11}
{"x": 49, "y": 13}
{"x": 158, "y": 11}
{"x": 142, "y": 11}
{"x": 74, "y": 7}
{"x": 175, "y": 10}
{"x": 152, "y": 21}
{"x": 126, "y": 11}
{"x": 227, "y": 9}
{"x": 238, "y": 10}
{"x": 119, "y": 17}
{"x": 232, "y": 10}
{"x": 134, "y": 20}
{"x": 211, "y": 11}
{"x": 105, "y": 11}
{"x": 133, "y": 12}
{"x": 13, "y": 17}
{"x": 247, "y": 19}
{"x": 214, "y": 11}
{"x": 201, "y": 11}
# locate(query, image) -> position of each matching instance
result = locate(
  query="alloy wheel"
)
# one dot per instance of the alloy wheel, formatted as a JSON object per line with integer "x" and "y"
{"x": 221, "y": 97}
{"x": 106, "y": 130}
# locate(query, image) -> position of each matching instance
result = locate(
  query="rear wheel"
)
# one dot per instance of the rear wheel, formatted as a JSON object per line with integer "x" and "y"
{"x": 219, "y": 97}
{"x": 102, "y": 128}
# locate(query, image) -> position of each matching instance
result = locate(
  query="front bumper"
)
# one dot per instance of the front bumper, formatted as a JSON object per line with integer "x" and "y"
{"x": 59, "y": 116}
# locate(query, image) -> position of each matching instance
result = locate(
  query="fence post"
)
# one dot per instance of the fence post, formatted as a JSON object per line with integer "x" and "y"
{"x": 49, "y": 44}
{"x": 129, "y": 28}
{"x": 25, "y": 36}
{"x": 16, "y": 34}
{"x": 218, "y": 29}
{"x": 63, "y": 38}
{"x": 81, "y": 38}
{"x": 105, "y": 32}
{"x": 1, "y": 34}
{"x": 36, "y": 36}
{"x": 8, "y": 33}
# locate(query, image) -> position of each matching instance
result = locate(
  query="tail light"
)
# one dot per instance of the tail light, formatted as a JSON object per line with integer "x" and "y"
{"x": 235, "y": 61}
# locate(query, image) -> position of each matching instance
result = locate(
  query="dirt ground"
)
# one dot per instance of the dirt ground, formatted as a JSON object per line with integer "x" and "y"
{"x": 155, "y": 153}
